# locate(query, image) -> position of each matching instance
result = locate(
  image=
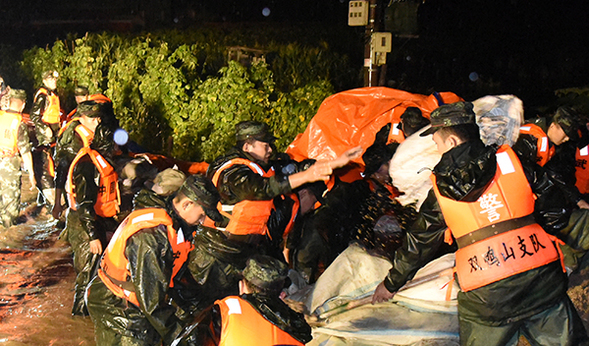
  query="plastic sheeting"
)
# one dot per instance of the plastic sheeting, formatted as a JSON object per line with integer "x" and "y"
{"x": 499, "y": 118}
{"x": 410, "y": 172}
{"x": 417, "y": 315}
{"x": 351, "y": 118}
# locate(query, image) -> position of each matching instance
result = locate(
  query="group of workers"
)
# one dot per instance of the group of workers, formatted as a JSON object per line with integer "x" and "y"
{"x": 202, "y": 259}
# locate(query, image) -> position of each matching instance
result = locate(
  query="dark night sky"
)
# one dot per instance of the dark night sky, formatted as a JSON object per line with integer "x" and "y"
{"x": 542, "y": 42}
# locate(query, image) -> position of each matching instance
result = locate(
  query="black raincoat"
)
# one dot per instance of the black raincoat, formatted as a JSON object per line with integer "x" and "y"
{"x": 463, "y": 174}
{"x": 118, "y": 322}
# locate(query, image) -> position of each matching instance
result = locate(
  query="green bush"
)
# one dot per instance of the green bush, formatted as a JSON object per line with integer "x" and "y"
{"x": 177, "y": 88}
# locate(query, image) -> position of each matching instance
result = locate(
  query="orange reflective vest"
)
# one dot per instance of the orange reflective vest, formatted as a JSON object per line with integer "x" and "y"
{"x": 246, "y": 217}
{"x": 85, "y": 133}
{"x": 582, "y": 169}
{"x": 9, "y": 123}
{"x": 51, "y": 115}
{"x": 242, "y": 325}
{"x": 109, "y": 197}
{"x": 114, "y": 265}
{"x": 545, "y": 150}
{"x": 497, "y": 235}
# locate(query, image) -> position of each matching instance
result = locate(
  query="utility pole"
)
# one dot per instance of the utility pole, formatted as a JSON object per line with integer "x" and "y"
{"x": 377, "y": 44}
{"x": 370, "y": 69}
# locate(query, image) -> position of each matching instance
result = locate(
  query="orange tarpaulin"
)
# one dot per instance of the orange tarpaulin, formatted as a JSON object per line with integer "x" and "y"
{"x": 353, "y": 117}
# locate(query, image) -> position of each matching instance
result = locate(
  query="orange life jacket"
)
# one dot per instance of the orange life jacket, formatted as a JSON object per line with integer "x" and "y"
{"x": 242, "y": 325}
{"x": 85, "y": 133}
{"x": 109, "y": 197}
{"x": 9, "y": 123}
{"x": 114, "y": 265}
{"x": 545, "y": 150}
{"x": 497, "y": 235}
{"x": 51, "y": 115}
{"x": 293, "y": 215}
{"x": 246, "y": 217}
{"x": 582, "y": 169}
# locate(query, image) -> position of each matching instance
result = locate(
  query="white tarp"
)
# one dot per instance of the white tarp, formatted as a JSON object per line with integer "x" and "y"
{"x": 416, "y": 315}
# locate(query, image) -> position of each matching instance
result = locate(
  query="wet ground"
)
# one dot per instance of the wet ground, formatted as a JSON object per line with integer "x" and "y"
{"x": 37, "y": 279}
{"x": 36, "y": 284}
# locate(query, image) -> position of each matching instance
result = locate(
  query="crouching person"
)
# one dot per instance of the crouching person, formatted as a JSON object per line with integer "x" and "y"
{"x": 128, "y": 299}
{"x": 257, "y": 317}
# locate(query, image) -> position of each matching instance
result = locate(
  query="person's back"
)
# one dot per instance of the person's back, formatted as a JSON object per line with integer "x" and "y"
{"x": 507, "y": 267}
{"x": 257, "y": 316}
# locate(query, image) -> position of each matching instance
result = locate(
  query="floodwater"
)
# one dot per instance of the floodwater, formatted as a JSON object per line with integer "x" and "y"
{"x": 36, "y": 285}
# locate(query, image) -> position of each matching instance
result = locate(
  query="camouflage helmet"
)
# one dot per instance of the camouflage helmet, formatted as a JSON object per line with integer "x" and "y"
{"x": 253, "y": 130}
{"x": 452, "y": 114}
{"x": 201, "y": 190}
{"x": 166, "y": 182}
{"x": 18, "y": 94}
{"x": 568, "y": 119}
{"x": 265, "y": 272}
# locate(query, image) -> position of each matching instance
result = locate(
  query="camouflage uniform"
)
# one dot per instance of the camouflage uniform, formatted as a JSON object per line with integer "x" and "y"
{"x": 42, "y": 156}
{"x": 10, "y": 175}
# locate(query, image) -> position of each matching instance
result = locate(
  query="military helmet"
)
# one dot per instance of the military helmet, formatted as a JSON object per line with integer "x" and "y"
{"x": 452, "y": 114}
{"x": 265, "y": 272}
{"x": 253, "y": 130}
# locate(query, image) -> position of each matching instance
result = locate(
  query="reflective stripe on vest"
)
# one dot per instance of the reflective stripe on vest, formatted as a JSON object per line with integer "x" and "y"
{"x": 108, "y": 199}
{"x": 508, "y": 198}
{"x": 114, "y": 265}
{"x": 545, "y": 150}
{"x": 247, "y": 216}
{"x": 51, "y": 115}
{"x": 9, "y": 123}
{"x": 242, "y": 325}
{"x": 582, "y": 169}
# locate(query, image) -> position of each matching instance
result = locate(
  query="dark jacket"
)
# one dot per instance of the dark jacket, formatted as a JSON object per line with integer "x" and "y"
{"x": 67, "y": 147}
{"x": 85, "y": 176}
{"x": 239, "y": 182}
{"x": 37, "y": 110}
{"x": 151, "y": 260}
{"x": 463, "y": 174}
{"x": 554, "y": 209}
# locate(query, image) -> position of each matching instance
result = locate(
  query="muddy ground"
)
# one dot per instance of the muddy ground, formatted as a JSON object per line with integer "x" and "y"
{"x": 37, "y": 279}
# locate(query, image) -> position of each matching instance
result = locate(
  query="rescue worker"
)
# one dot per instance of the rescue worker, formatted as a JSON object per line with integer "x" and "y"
{"x": 349, "y": 212}
{"x": 93, "y": 198}
{"x": 511, "y": 279}
{"x": 77, "y": 134}
{"x": 538, "y": 142}
{"x": 550, "y": 142}
{"x": 128, "y": 300}
{"x": 257, "y": 316}
{"x": 81, "y": 94}
{"x": 248, "y": 184}
{"x": 412, "y": 120}
{"x": 14, "y": 144}
{"x": 46, "y": 116}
